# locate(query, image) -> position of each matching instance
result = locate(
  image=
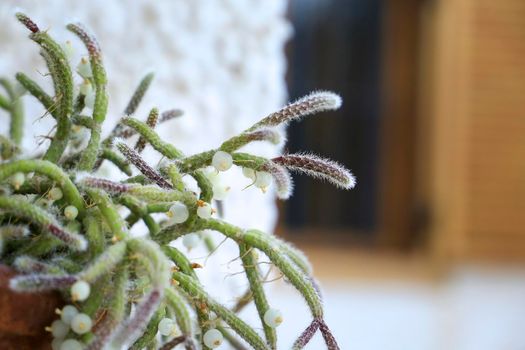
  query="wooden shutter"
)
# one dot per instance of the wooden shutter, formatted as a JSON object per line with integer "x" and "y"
{"x": 473, "y": 110}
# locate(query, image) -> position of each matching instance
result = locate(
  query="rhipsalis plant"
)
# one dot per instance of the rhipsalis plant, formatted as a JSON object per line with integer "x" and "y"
{"x": 62, "y": 225}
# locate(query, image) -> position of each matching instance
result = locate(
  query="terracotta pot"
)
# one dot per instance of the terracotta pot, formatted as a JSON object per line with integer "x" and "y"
{"x": 24, "y": 316}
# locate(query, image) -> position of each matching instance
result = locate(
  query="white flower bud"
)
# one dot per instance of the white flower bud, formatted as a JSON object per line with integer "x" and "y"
{"x": 55, "y": 194}
{"x": 69, "y": 50}
{"x": 67, "y": 313}
{"x": 80, "y": 290}
{"x": 86, "y": 88}
{"x": 167, "y": 327}
{"x": 249, "y": 173}
{"x": 178, "y": 213}
{"x": 71, "y": 344}
{"x": 59, "y": 329}
{"x": 81, "y": 324}
{"x": 220, "y": 192}
{"x": 263, "y": 179}
{"x": 222, "y": 161}
{"x": 191, "y": 240}
{"x": 212, "y": 338}
{"x": 212, "y": 175}
{"x": 273, "y": 318}
{"x": 204, "y": 210}
{"x": 70, "y": 212}
{"x": 17, "y": 180}
{"x": 84, "y": 68}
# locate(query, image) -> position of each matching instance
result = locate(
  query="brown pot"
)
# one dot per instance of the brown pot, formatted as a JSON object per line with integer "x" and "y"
{"x": 24, "y": 316}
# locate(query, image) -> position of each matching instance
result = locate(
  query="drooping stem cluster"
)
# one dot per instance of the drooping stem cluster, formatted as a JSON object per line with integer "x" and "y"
{"x": 62, "y": 228}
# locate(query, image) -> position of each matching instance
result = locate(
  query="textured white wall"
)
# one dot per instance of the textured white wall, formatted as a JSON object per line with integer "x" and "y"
{"x": 221, "y": 61}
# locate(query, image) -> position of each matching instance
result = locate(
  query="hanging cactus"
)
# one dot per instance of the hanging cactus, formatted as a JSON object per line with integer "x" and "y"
{"x": 61, "y": 228}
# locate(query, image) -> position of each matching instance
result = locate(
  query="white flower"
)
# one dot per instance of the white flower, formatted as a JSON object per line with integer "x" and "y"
{"x": 167, "y": 327}
{"x": 204, "y": 210}
{"x": 59, "y": 329}
{"x": 249, "y": 173}
{"x": 220, "y": 191}
{"x": 191, "y": 240}
{"x": 80, "y": 290}
{"x": 273, "y": 318}
{"x": 55, "y": 194}
{"x": 178, "y": 213}
{"x": 69, "y": 50}
{"x": 84, "y": 68}
{"x": 263, "y": 179}
{"x": 70, "y": 212}
{"x": 212, "y": 338}
{"x": 17, "y": 180}
{"x": 71, "y": 344}
{"x": 222, "y": 161}
{"x": 81, "y": 324}
{"x": 67, "y": 313}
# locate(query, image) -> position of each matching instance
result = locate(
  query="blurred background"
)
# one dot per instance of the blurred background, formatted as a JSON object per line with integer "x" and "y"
{"x": 428, "y": 251}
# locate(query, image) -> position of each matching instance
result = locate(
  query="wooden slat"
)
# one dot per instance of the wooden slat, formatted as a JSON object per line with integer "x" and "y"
{"x": 479, "y": 111}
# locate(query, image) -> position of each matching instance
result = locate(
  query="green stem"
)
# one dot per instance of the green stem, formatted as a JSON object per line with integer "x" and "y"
{"x": 164, "y": 148}
{"x": 195, "y": 291}
{"x": 177, "y": 305}
{"x": 149, "y": 334}
{"x": 115, "y": 158}
{"x": 16, "y": 108}
{"x": 249, "y": 262}
{"x": 63, "y": 82}
{"x": 89, "y": 156}
{"x": 262, "y": 241}
{"x": 140, "y": 209}
{"x": 115, "y": 222}
{"x": 38, "y": 93}
{"x": 47, "y": 168}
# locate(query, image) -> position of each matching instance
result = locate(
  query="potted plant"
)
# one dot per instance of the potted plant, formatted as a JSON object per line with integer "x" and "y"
{"x": 69, "y": 262}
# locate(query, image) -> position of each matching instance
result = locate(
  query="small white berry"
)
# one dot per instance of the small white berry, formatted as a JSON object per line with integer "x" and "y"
{"x": 220, "y": 192}
{"x": 222, "y": 161}
{"x": 84, "y": 69}
{"x": 273, "y": 318}
{"x": 249, "y": 173}
{"x": 167, "y": 327}
{"x": 263, "y": 180}
{"x": 81, "y": 324}
{"x": 69, "y": 50}
{"x": 204, "y": 210}
{"x": 80, "y": 290}
{"x": 56, "y": 343}
{"x": 212, "y": 338}
{"x": 70, "y": 212}
{"x": 17, "y": 180}
{"x": 55, "y": 194}
{"x": 178, "y": 213}
{"x": 59, "y": 329}
{"x": 191, "y": 240}
{"x": 71, "y": 344}
{"x": 67, "y": 313}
